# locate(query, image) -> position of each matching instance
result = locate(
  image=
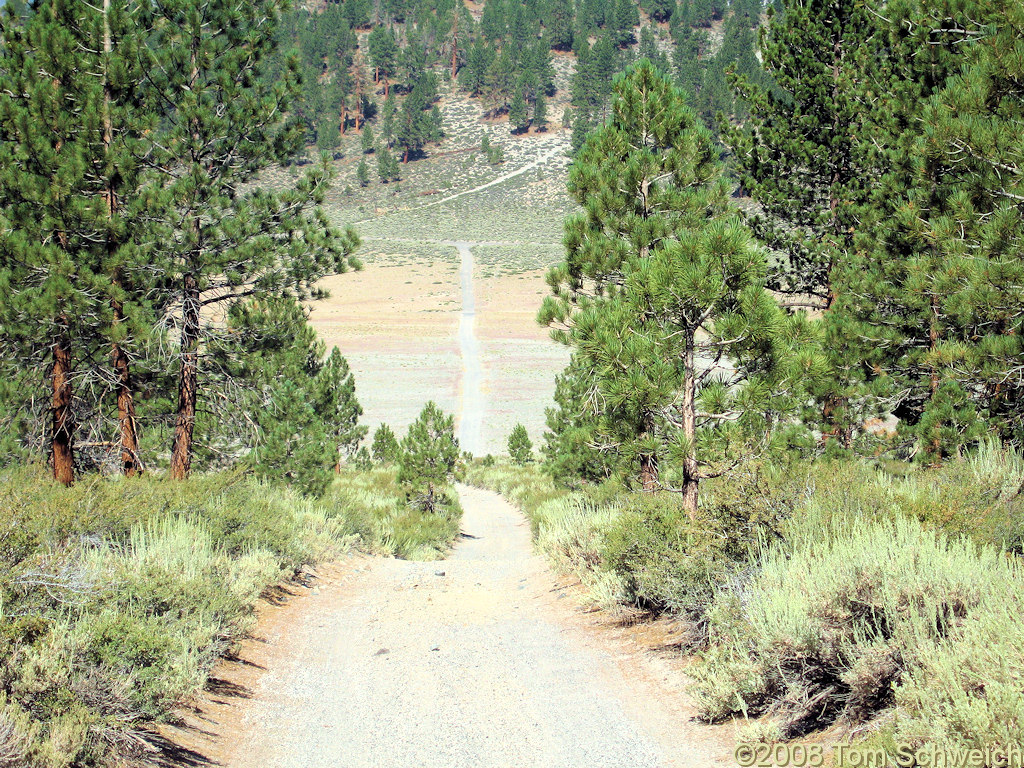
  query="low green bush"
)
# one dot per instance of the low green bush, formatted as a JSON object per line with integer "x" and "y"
{"x": 117, "y": 596}
{"x": 837, "y": 591}
{"x": 853, "y": 617}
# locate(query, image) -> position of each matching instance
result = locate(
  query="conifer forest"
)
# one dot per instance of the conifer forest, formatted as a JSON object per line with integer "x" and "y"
{"x": 316, "y": 302}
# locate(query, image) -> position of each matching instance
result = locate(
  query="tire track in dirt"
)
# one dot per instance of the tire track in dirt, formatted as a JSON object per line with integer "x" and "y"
{"x": 471, "y": 411}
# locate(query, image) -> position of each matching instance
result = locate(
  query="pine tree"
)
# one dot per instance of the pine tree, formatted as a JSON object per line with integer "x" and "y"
{"x": 660, "y": 10}
{"x": 499, "y": 83}
{"x": 492, "y": 21}
{"x": 517, "y": 115}
{"x": 540, "y": 113}
{"x": 366, "y": 140}
{"x": 303, "y": 407}
{"x": 520, "y": 448}
{"x": 430, "y": 454}
{"x": 539, "y": 68}
{"x": 662, "y": 285}
{"x": 559, "y": 23}
{"x": 690, "y": 45}
{"x": 333, "y": 397}
{"x": 383, "y": 49}
{"x": 386, "y": 449}
{"x": 797, "y": 156}
{"x": 932, "y": 291}
{"x": 571, "y": 445}
{"x": 473, "y": 77}
{"x": 125, "y": 119}
{"x": 40, "y": 273}
{"x": 624, "y": 18}
{"x": 387, "y": 166}
{"x": 327, "y": 128}
{"x": 387, "y": 120}
{"x": 580, "y": 130}
{"x": 227, "y": 240}
{"x": 418, "y": 124}
{"x": 701, "y": 13}
{"x": 74, "y": 261}
{"x": 363, "y": 173}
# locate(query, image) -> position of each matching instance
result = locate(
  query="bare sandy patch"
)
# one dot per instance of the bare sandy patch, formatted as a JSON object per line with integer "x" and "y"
{"x": 395, "y": 323}
{"x": 519, "y": 358}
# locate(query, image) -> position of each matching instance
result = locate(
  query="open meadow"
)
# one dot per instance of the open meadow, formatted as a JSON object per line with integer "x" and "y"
{"x": 397, "y": 321}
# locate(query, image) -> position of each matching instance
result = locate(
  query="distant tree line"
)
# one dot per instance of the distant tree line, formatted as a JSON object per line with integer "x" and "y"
{"x": 354, "y": 55}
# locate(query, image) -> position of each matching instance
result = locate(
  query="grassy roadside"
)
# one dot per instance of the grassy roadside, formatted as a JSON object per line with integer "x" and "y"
{"x": 831, "y": 595}
{"x": 118, "y": 596}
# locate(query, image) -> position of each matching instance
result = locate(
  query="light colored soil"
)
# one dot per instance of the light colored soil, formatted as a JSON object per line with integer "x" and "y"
{"x": 396, "y": 322}
{"x": 520, "y": 359}
{"x": 472, "y": 406}
{"x": 480, "y": 660}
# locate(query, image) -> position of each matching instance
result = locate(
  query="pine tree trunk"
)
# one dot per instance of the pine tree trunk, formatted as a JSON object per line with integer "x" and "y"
{"x": 933, "y": 379}
{"x": 691, "y": 472}
{"x": 61, "y": 447}
{"x": 834, "y": 404}
{"x": 455, "y": 44}
{"x": 649, "y": 473}
{"x": 359, "y": 96}
{"x": 405, "y": 158}
{"x": 131, "y": 465}
{"x": 185, "y": 422}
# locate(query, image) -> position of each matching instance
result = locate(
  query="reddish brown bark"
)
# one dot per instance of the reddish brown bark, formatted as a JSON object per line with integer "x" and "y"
{"x": 62, "y": 427}
{"x": 359, "y": 101}
{"x": 649, "y": 473}
{"x": 455, "y": 44}
{"x": 131, "y": 464}
{"x": 185, "y": 421}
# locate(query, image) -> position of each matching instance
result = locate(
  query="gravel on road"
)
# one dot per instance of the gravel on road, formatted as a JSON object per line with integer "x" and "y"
{"x": 471, "y": 661}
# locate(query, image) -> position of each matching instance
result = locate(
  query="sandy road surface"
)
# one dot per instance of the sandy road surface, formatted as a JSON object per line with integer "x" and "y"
{"x": 471, "y": 411}
{"x": 482, "y": 666}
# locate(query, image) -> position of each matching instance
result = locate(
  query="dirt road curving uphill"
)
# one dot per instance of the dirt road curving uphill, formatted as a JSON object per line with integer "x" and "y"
{"x": 472, "y": 661}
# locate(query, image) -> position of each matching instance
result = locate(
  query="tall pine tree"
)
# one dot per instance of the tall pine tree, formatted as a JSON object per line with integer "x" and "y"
{"x": 662, "y": 296}
{"x": 934, "y": 291}
{"x": 226, "y": 238}
{"x": 798, "y": 156}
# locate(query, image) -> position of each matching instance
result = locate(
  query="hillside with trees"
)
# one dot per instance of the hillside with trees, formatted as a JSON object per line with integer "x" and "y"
{"x": 354, "y": 55}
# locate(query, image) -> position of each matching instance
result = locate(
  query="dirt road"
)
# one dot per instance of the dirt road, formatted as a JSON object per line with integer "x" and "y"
{"x": 472, "y": 661}
{"x": 471, "y": 411}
